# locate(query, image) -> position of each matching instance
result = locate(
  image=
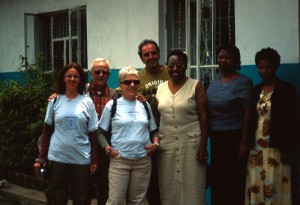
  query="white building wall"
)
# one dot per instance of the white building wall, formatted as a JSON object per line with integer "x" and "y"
{"x": 115, "y": 28}
{"x": 267, "y": 23}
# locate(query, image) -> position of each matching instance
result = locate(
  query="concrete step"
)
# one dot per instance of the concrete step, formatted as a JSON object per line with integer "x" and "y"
{"x": 24, "y": 196}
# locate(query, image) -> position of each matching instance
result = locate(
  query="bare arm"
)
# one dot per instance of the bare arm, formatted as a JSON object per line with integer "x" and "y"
{"x": 202, "y": 114}
{"x": 94, "y": 151}
{"x": 46, "y": 135}
{"x": 245, "y": 133}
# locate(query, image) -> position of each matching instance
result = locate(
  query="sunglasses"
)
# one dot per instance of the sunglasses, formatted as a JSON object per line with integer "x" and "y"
{"x": 128, "y": 82}
{"x": 104, "y": 72}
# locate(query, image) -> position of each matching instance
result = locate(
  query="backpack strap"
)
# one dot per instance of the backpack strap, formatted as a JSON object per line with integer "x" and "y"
{"x": 147, "y": 110}
{"x": 54, "y": 101}
{"x": 113, "y": 109}
{"x": 112, "y": 115}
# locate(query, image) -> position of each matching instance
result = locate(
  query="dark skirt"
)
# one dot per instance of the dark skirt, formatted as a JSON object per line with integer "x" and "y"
{"x": 227, "y": 170}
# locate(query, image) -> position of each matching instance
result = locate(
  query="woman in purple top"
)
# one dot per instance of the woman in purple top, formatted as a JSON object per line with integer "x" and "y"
{"x": 229, "y": 99}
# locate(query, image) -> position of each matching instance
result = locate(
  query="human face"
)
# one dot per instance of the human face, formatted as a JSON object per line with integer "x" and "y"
{"x": 150, "y": 57}
{"x": 225, "y": 61}
{"x": 266, "y": 70}
{"x": 72, "y": 79}
{"x": 129, "y": 91}
{"x": 100, "y": 74}
{"x": 176, "y": 68}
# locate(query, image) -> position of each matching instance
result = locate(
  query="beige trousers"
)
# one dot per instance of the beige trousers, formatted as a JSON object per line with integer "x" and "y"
{"x": 128, "y": 181}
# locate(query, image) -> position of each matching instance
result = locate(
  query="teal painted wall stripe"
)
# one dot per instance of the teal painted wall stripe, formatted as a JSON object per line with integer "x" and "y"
{"x": 8, "y": 76}
{"x": 288, "y": 72}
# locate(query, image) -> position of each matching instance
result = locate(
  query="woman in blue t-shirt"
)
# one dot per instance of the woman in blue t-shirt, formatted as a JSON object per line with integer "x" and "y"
{"x": 133, "y": 140}
{"x": 69, "y": 139}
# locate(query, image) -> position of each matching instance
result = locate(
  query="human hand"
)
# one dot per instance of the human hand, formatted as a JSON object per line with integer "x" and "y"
{"x": 202, "y": 155}
{"x": 94, "y": 168}
{"x": 54, "y": 95}
{"x": 141, "y": 98}
{"x": 151, "y": 148}
{"x": 39, "y": 163}
{"x": 37, "y": 166}
{"x": 111, "y": 152}
{"x": 243, "y": 151}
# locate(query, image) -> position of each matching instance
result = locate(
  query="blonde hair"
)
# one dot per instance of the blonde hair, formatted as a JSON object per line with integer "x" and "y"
{"x": 127, "y": 70}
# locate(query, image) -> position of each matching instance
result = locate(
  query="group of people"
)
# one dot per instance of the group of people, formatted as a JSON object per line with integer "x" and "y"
{"x": 148, "y": 143}
{"x": 252, "y": 132}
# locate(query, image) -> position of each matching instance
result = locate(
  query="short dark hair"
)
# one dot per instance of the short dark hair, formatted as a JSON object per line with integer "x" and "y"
{"x": 60, "y": 85}
{"x": 234, "y": 51}
{"x": 144, "y": 42}
{"x": 179, "y": 54}
{"x": 268, "y": 54}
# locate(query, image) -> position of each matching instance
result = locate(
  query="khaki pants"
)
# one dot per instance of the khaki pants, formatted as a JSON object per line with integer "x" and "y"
{"x": 128, "y": 181}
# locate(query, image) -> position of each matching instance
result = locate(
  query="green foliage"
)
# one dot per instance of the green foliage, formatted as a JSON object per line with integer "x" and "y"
{"x": 23, "y": 105}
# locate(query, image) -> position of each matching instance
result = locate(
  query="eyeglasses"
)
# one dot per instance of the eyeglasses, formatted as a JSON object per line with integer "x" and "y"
{"x": 128, "y": 82}
{"x": 178, "y": 66}
{"x": 70, "y": 76}
{"x": 104, "y": 72}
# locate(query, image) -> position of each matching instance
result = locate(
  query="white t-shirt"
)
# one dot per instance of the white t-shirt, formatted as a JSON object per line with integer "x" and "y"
{"x": 73, "y": 120}
{"x": 130, "y": 127}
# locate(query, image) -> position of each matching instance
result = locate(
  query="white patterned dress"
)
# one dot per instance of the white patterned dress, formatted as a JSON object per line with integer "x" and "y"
{"x": 268, "y": 177}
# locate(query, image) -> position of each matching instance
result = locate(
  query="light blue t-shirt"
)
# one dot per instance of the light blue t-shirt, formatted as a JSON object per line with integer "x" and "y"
{"x": 226, "y": 102}
{"x": 130, "y": 127}
{"x": 73, "y": 120}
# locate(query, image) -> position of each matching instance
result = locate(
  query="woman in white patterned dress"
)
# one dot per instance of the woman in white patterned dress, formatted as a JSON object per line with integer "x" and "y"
{"x": 268, "y": 180}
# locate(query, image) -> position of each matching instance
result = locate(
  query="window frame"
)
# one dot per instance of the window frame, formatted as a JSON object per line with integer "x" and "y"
{"x": 45, "y": 39}
{"x": 199, "y": 45}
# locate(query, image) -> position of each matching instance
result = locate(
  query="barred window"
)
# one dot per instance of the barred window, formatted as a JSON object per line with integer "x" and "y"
{"x": 61, "y": 36}
{"x": 197, "y": 27}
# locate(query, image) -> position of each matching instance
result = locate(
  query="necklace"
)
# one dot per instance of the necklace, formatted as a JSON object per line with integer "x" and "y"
{"x": 264, "y": 102}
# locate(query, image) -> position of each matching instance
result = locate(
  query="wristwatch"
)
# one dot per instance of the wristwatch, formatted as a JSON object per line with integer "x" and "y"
{"x": 156, "y": 143}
